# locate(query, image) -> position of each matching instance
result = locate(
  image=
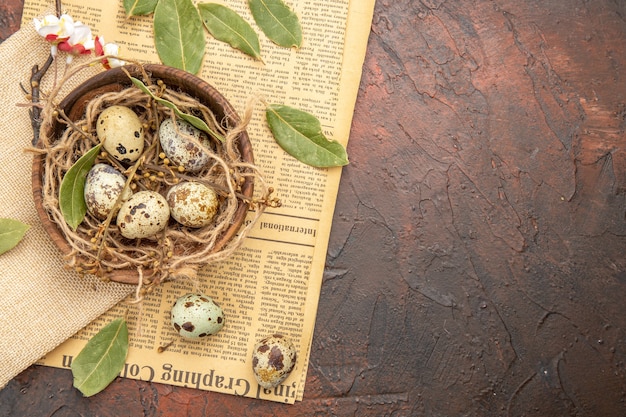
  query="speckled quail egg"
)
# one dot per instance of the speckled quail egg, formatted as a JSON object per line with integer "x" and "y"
{"x": 196, "y": 315}
{"x": 273, "y": 359}
{"x": 121, "y": 132}
{"x": 180, "y": 142}
{"x": 144, "y": 214}
{"x": 192, "y": 204}
{"x": 103, "y": 186}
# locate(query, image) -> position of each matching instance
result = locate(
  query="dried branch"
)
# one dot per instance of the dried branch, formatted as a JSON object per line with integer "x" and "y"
{"x": 35, "y": 81}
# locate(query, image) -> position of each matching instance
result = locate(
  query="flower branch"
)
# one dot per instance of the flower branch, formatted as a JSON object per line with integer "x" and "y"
{"x": 72, "y": 38}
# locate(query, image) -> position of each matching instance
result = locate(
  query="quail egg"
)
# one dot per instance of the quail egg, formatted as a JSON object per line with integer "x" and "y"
{"x": 180, "y": 142}
{"x": 273, "y": 359}
{"x": 192, "y": 204}
{"x": 144, "y": 214}
{"x": 103, "y": 186}
{"x": 121, "y": 132}
{"x": 196, "y": 315}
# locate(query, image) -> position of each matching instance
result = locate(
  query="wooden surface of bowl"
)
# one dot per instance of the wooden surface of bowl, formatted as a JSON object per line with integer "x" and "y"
{"x": 117, "y": 79}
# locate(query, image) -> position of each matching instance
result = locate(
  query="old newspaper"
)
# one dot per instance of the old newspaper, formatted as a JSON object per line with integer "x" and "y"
{"x": 272, "y": 283}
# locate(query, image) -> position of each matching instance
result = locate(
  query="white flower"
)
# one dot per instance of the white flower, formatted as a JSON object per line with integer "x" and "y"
{"x": 109, "y": 49}
{"x": 54, "y": 29}
{"x": 76, "y": 38}
{"x": 80, "y": 41}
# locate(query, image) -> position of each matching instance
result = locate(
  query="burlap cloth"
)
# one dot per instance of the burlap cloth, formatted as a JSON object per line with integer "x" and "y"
{"x": 41, "y": 304}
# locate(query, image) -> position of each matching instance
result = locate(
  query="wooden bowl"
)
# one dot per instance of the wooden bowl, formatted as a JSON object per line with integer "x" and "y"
{"x": 116, "y": 79}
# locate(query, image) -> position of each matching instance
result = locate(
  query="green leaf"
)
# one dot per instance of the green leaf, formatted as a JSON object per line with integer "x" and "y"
{"x": 102, "y": 358}
{"x": 71, "y": 192}
{"x": 300, "y": 134}
{"x": 11, "y": 233}
{"x": 139, "y": 7}
{"x": 191, "y": 119}
{"x": 178, "y": 34}
{"x": 227, "y": 26}
{"x": 279, "y": 23}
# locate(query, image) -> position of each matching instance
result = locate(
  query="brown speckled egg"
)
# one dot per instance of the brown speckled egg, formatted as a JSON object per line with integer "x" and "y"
{"x": 103, "y": 186}
{"x": 180, "y": 142}
{"x": 144, "y": 214}
{"x": 273, "y": 358}
{"x": 196, "y": 315}
{"x": 192, "y": 204}
{"x": 121, "y": 132}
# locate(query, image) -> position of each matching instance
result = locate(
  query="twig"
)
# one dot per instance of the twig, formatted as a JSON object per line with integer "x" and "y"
{"x": 35, "y": 112}
{"x": 36, "y": 74}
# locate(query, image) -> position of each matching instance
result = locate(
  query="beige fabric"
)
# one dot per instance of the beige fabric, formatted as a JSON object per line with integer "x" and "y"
{"x": 41, "y": 304}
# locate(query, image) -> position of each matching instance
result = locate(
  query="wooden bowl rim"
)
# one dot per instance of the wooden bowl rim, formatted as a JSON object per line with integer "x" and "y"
{"x": 116, "y": 79}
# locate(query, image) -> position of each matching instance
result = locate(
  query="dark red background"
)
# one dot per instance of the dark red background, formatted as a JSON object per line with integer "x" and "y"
{"x": 477, "y": 260}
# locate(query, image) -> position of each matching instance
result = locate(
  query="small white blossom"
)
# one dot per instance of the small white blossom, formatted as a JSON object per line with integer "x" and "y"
{"x": 109, "y": 49}
{"x": 55, "y": 30}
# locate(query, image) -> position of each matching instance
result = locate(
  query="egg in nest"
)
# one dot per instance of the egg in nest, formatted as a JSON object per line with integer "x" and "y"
{"x": 192, "y": 204}
{"x": 103, "y": 185}
{"x": 121, "y": 133}
{"x": 184, "y": 145}
{"x": 144, "y": 214}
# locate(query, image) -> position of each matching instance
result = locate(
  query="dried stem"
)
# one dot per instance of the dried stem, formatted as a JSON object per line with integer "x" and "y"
{"x": 36, "y": 75}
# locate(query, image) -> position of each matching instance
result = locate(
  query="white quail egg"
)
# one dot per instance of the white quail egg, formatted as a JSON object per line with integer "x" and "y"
{"x": 180, "y": 142}
{"x": 192, "y": 203}
{"x": 103, "y": 186}
{"x": 121, "y": 132}
{"x": 144, "y": 214}
{"x": 273, "y": 359}
{"x": 196, "y": 315}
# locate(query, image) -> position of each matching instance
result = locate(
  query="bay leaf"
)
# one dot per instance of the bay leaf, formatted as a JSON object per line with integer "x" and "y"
{"x": 279, "y": 23}
{"x": 11, "y": 233}
{"x": 71, "y": 193}
{"x": 102, "y": 358}
{"x": 139, "y": 7}
{"x": 190, "y": 118}
{"x": 300, "y": 134}
{"x": 227, "y": 26}
{"x": 178, "y": 34}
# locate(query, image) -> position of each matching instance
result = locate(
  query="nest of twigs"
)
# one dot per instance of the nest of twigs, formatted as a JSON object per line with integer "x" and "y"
{"x": 96, "y": 246}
